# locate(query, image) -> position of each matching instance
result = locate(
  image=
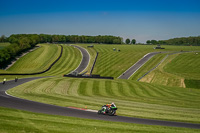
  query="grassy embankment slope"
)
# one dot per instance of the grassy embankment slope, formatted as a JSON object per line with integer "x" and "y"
{"x": 81, "y": 93}
{"x": 177, "y": 70}
{"x": 41, "y": 58}
{"x": 132, "y": 98}
{"x": 36, "y": 61}
{"x": 113, "y": 63}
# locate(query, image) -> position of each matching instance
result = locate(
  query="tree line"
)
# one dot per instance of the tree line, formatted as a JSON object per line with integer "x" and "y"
{"x": 80, "y": 39}
{"x": 185, "y": 41}
{"x": 23, "y": 42}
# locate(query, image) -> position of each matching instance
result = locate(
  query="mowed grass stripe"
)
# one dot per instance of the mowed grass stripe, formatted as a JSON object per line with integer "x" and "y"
{"x": 108, "y": 87}
{"x": 102, "y": 89}
{"x": 95, "y": 89}
{"x": 142, "y": 101}
{"x": 185, "y": 65}
{"x": 89, "y": 88}
{"x": 127, "y": 91}
{"x": 69, "y": 61}
{"x": 82, "y": 88}
{"x": 38, "y": 60}
{"x": 175, "y": 69}
{"x": 115, "y": 90}
{"x": 159, "y": 91}
{"x": 73, "y": 90}
{"x": 62, "y": 64}
{"x": 62, "y": 87}
{"x": 23, "y": 121}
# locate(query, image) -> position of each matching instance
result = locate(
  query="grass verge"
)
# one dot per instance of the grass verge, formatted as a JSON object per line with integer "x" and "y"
{"x": 15, "y": 121}
{"x": 134, "y": 99}
{"x": 175, "y": 69}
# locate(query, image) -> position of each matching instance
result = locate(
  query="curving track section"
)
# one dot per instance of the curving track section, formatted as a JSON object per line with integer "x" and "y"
{"x": 22, "y": 104}
{"x": 18, "y": 103}
{"x": 85, "y": 59}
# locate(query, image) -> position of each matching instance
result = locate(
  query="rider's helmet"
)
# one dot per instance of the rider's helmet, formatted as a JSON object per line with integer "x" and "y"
{"x": 113, "y": 103}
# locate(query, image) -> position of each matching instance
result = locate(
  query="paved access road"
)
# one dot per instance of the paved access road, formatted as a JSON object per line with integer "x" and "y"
{"x": 22, "y": 104}
{"x": 137, "y": 65}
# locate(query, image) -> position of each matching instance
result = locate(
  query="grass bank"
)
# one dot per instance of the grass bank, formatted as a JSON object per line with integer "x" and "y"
{"x": 177, "y": 69}
{"x": 113, "y": 62}
{"x": 43, "y": 57}
{"x": 134, "y": 99}
{"x": 17, "y": 121}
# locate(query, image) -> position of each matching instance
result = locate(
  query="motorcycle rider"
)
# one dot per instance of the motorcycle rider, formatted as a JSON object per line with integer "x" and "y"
{"x": 107, "y": 107}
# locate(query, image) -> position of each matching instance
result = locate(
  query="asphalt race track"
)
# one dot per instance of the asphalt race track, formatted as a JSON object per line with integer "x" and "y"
{"x": 27, "y": 105}
{"x": 137, "y": 65}
{"x": 22, "y": 104}
{"x": 85, "y": 59}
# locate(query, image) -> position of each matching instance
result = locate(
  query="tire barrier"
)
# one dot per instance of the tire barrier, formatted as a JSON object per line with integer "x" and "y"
{"x": 37, "y": 72}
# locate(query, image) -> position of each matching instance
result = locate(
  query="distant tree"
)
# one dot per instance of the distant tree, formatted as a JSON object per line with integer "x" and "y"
{"x": 128, "y": 41}
{"x": 24, "y": 42}
{"x": 154, "y": 42}
{"x": 133, "y": 41}
{"x": 3, "y": 38}
{"x": 117, "y": 41}
{"x": 148, "y": 42}
{"x": 55, "y": 38}
{"x": 161, "y": 42}
{"x": 183, "y": 41}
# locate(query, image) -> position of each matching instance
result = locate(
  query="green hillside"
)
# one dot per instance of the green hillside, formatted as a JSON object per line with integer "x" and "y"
{"x": 114, "y": 63}
{"x": 132, "y": 98}
{"x": 162, "y": 97}
{"x": 41, "y": 58}
{"x": 177, "y": 70}
{"x": 185, "y": 65}
{"x": 17, "y": 121}
{"x": 38, "y": 60}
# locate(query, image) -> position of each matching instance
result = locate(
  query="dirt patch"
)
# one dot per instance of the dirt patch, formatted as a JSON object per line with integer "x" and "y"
{"x": 148, "y": 78}
{"x": 183, "y": 83}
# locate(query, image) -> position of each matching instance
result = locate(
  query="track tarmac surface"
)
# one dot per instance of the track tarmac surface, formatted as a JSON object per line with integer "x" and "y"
{"x": 85, "y": 59}
{"x": 137, "y": 65}
{"x": 27, "y": 105}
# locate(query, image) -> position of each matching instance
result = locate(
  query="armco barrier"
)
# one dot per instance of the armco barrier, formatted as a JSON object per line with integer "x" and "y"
{"x": 37, "y": 72}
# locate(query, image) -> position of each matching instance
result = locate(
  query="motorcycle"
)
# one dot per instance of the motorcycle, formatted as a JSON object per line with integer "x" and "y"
{"x": 110, "y": 111}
